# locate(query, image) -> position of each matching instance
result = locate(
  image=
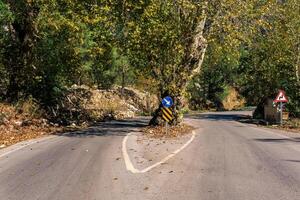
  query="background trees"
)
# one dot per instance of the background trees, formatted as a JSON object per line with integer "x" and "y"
{"x": 159, "y": 46}
{"x": 257, "y": 59}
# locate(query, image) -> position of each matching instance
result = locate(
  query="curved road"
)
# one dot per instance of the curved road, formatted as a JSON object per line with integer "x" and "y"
{"x": 226, "y": 160}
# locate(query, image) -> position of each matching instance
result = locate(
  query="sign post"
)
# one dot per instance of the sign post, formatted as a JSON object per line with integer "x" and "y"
{"x": 166, "y": 128}
{"x": 281, "y": 108}
{"x": 281, "y": 98}
{"x": 167, "y": 114}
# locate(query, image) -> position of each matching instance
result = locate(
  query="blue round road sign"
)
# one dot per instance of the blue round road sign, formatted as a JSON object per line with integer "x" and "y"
{"x": 167, "y": 102}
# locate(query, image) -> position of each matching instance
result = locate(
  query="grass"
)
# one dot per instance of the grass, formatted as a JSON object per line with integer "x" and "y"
{"x": 292, "y": 124}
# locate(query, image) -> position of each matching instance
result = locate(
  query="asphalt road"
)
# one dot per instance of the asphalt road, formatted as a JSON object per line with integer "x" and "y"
{"x": 227, "y": 160}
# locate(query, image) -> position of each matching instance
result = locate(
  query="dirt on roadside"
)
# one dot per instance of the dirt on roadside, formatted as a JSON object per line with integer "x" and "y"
{"x": 171, "y": 132}
{"x": 291, "y": 125}
{"x": 79, "y": 107}
{"x": 19, "y": 123}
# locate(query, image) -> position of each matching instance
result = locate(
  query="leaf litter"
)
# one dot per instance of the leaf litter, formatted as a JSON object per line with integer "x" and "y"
{"x": 160, "y": 132}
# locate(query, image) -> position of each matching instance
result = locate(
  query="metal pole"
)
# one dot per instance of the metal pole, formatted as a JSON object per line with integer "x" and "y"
{"x": 280, "y": 113}
{"x": 166, "y": 128}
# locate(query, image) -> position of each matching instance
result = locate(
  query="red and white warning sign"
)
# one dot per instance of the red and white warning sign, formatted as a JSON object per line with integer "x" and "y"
{"x": 281, "y": 97}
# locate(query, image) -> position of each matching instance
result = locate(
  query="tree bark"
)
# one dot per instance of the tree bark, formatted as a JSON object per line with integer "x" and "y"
{"x": 189, "y": 66}
{"x": 23, "y": 39}
{"x": 298, "y": 64}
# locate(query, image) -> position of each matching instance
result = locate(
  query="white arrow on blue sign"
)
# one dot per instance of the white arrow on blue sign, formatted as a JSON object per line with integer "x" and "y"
{"x": 167, "y": 102}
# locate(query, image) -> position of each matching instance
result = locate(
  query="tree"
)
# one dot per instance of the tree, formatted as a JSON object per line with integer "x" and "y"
{"x": 169, "y": 44}
{"x": 52, "y": 44}
{"x": 258, "y": 56}
{"x": 21, "y": 40}
{"x": 173, "y": 38}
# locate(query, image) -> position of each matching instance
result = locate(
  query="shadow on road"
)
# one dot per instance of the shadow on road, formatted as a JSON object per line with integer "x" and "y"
{"x": 296, "y": 161}
{"x": 278, "y": 140}
{"x": 111, "y": 128}
{"x": 228, "y": 116}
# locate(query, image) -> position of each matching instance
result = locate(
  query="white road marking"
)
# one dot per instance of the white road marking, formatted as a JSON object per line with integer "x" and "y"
{"x": 131, "y": 168}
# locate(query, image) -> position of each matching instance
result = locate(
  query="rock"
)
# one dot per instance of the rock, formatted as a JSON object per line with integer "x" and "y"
{"x": 146, "y": 188}
{"x": 26, "y": 123}
{"x": 84, "y": 124}
{"x": 4, "y": 121}
{"x": 44, "y": 121}
{"x": 263, "y": 122}
{"x": 18, "y": 123}
{"x": 81, "y": 103}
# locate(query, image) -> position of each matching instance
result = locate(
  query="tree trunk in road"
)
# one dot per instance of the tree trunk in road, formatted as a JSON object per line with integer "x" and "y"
{"x": 190, "y": 66}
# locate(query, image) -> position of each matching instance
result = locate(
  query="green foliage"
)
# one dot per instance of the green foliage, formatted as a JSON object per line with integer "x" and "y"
{"x": 5, "y": 18}
{"x": 251, "y": 45}
{"x": 258, "y": 57}
{"x": 69, "y": 41}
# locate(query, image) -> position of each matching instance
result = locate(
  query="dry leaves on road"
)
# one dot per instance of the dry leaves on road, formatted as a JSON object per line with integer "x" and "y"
{"x": 172, "y": 132}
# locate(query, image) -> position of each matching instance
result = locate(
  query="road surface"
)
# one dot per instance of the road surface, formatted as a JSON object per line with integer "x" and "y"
{"x": 227, "y": 160}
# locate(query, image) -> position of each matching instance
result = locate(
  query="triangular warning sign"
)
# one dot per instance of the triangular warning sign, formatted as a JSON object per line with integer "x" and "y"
{"x": 281, "y": 97}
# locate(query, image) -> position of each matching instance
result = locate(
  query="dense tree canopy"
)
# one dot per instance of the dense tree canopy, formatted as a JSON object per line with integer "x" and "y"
{"x": 257, "y": 59}
{"x": 155, "y": 45}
